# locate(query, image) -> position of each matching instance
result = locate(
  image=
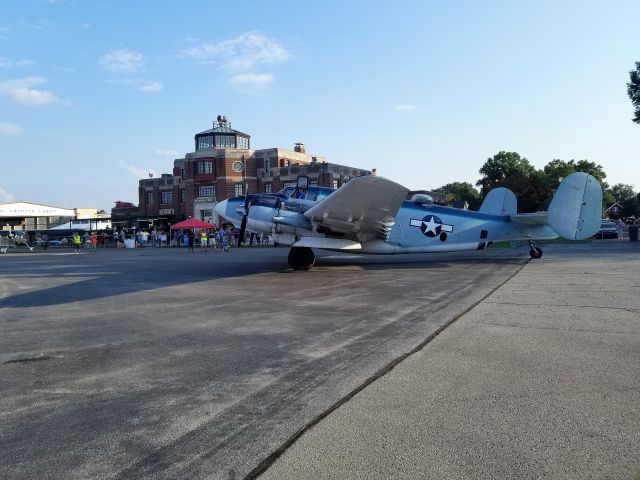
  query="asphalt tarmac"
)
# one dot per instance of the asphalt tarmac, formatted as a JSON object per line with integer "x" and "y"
{"x": 540, "y": 380}
{"x": 157, "y": 363}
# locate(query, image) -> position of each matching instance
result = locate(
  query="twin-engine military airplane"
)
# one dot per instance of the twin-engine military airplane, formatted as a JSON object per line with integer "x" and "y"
{"x": 371, "y": 214}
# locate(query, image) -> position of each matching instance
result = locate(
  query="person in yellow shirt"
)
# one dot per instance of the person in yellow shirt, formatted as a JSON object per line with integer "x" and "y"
{"x": 204, "y": 241}
{"x": 76, "y": 240}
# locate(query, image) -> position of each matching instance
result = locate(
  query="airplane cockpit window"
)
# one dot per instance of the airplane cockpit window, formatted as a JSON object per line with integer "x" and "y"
{"x": 321, "y": 194}
{"x": 288, "y": 191}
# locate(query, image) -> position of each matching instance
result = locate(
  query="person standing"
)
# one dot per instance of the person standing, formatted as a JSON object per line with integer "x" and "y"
{"x": 93, "y": 238}
{"x": 190, "y": 240}
{"x": 76, "y": 240}
{"x": 204, "y": 241}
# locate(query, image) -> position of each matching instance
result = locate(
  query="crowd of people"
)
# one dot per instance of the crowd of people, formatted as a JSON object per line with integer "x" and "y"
{"x": 204, "y": 240}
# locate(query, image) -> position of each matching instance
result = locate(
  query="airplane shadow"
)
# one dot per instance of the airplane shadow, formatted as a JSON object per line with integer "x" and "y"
{"x": 418, "y": 260}
{"x": 91, "y": 277}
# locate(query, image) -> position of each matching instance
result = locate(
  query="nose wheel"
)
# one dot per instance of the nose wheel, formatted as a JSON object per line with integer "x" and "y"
{"x": 301, "y": 258}
{"x": 534, "y": 252}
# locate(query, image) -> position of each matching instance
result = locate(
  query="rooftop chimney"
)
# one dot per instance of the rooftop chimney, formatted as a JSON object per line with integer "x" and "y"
{"x": 299, "y": 147}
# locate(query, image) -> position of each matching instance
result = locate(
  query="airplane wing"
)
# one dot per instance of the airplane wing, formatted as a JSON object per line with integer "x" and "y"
{"x": 539, "y": 218}
{"x": 362, "y": 209}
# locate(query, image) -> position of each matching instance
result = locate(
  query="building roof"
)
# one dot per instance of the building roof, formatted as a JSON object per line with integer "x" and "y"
{"x": 225, "y": 129}
{"x": 28, "y": 209}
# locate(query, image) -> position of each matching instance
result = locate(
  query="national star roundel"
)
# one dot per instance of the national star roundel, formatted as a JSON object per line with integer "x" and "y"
{"x": 431, "y": 226}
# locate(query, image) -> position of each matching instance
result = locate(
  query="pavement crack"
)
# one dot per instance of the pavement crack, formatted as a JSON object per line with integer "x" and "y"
{"x": 536, "y": 327}
{"x": 630, "y": 310}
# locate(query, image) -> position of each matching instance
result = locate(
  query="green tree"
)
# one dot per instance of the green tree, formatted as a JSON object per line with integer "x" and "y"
{"x": 627, "y": 198}
{"x": 633, "y": 90}
{"x": 622, "y": 192}
{"x": 502, "y": 170}
{"x": 462, "y": 191}
{"x": 510, "y": 170}
{"x": 556, "y": 170}
{"x": 593, "y": 169}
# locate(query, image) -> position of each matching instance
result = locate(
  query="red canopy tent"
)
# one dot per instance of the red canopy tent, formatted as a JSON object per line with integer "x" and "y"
{"x": 191, "y": 224}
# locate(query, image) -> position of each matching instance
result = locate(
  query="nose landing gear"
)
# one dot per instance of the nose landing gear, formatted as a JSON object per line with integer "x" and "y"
{"x": 534, "y": 252}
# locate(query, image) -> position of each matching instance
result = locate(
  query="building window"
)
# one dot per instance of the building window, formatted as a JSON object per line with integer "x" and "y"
{"x": 237, "y": 166}
{"x": 183, "y": 195}
{"x": 204, "y": 168}
{"x": 267, "y": 164}
{"x": 238, "y": 190}
{"x": 242, "y": 142}
{"x": 206, "y": 191}
{"x": 149, "y": 198}
{"x": 225, "y": 141}
{"x": 290, "y": 183}
{"x": 267, "y": 188}
{"x": 182, "y": 173}
{"x": 335, "y": 184}
{"x": 166, "y": 197}
{"x": 205, "y": 142}
{"x": 313, "y": 182}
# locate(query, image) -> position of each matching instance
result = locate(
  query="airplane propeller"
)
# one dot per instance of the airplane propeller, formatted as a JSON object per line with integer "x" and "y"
{"x": 245, "y": 214}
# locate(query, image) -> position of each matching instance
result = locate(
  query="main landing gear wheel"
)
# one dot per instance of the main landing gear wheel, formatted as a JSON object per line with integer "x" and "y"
{"x": 535, "y": 252}
{"x": 301, "y": 258}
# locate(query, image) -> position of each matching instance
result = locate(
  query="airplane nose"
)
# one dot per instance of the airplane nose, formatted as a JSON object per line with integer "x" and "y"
{"x": 221, "y": 208}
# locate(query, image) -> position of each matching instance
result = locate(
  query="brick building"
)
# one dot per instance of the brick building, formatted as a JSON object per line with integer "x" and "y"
{"x": 222, "y": 166}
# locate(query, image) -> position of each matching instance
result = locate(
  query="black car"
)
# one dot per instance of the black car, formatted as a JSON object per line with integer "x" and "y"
{"x": 608, "y": 229}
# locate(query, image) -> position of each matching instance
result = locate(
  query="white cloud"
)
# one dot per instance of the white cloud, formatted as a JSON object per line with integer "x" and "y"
{"x": 241, "y": 54}
{"x": 138, "y": 172}
{"x": 252, "y": 81}
{"x": 9, "y": 129}
{"x": 5, "y": 196}
{"x": 38, "y": 25}
{"x": 405, "y": 108}
{"x": 122, "y": 61}
{"x": 150, "y": 87}
{"x": 167, "y": 153}
{"x": 21, "y": 91}
{"x": 146, "y": 86}
{"x": 8, "y": 63}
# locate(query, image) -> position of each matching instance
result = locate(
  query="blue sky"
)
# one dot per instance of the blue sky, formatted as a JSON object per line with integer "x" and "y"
{"x": 94, "y": 94}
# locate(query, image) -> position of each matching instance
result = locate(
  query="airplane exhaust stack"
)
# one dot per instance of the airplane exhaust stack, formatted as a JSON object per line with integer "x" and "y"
{"x": 576, "y": 209}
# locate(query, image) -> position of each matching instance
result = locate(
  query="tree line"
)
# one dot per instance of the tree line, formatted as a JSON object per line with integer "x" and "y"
{"x": 534, "y": 187}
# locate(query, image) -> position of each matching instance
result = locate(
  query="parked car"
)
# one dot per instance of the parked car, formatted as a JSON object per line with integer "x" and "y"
{"x": 608, "y": 229}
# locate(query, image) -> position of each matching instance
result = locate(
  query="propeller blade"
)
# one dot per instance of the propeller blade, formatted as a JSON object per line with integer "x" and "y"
{"x": 243, "y": 224}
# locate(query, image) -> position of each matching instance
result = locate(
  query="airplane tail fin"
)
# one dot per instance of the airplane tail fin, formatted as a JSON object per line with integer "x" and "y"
{"x": 576, "y": 209}
{"x": 500, "y": 201}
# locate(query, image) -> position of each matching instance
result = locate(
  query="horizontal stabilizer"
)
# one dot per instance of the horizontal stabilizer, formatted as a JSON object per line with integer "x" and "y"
{"x": 531, "y": 219}
{"x": 576, "y": 209}
{"x": 500, "y": 201}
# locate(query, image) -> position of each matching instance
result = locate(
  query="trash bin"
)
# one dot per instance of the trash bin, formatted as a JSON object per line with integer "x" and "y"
{"x": 633, "y": 232}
